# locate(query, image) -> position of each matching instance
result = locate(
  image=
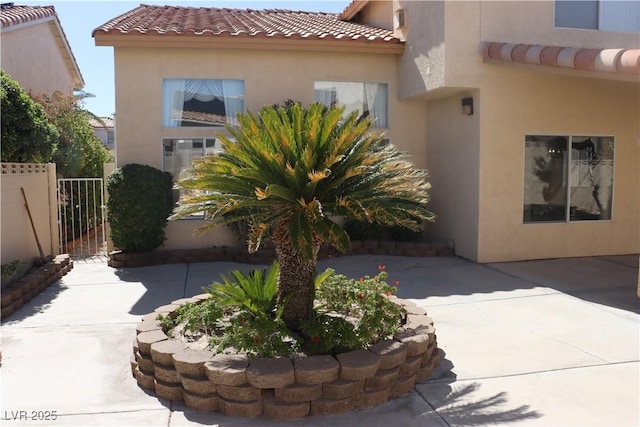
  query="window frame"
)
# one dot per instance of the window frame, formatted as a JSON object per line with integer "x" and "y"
{"x": 166, "y": 109}
{"x": 176, "y": 192}
{"x": 363, "y": 83}
{"x": 603, "y": 17}
{"x": 567, "y": 176}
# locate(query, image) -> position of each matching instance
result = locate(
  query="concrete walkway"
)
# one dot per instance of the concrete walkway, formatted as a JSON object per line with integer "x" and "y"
{"x": 548, "y": 343}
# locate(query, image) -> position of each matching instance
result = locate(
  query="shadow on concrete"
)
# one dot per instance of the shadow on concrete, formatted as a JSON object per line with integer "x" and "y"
{"x": 457, "y": 407}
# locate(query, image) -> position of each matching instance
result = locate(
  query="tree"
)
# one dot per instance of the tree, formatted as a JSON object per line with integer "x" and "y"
{"x": 27, "y": 135}
{"x": 80, "y": 152}
{"x": 289, "y": 172}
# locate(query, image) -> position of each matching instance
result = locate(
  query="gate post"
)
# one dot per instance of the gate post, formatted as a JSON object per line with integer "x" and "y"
{"x": 52, "y": 183}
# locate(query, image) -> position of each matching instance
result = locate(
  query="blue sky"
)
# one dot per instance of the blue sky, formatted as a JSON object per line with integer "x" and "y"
{"x": 80, "y": 18}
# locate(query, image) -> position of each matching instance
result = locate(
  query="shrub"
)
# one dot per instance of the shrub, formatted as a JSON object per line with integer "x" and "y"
{"x": 139, "y": 203}
{"x": 362, "y": 230}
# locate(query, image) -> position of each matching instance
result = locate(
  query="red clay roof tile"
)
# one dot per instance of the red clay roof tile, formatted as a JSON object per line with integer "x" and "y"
{"x": 14, "y": 15}
{"x": 272, "y": 23}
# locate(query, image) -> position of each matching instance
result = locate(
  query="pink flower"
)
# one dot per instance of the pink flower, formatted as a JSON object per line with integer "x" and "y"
{"x": 381, "y": 267}
{"x": 396, "y": 283}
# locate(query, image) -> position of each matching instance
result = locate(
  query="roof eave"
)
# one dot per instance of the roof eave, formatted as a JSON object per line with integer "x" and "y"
{"x": 67, "y": 54}
{"x": 234, "y": 42}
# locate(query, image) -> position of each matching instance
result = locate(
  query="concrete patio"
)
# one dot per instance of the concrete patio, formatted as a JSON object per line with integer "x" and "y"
{"x": 550, "y": 342}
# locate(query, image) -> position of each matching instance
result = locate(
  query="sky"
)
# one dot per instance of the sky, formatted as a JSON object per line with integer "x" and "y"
{"x": 80, "y": 18}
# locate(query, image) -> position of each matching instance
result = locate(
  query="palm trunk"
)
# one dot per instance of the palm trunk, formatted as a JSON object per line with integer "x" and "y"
{"x": 296, "y": 288}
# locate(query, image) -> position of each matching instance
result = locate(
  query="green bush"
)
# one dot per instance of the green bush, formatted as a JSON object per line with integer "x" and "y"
{"x": 139, "y": 203}
{"x": 27, "y": 136}
{"x": 362, "y": 230}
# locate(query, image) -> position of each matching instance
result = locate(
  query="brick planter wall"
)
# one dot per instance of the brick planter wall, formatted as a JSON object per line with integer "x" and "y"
{"x": 24, "y": 289}
{"x": 118, "y": 259}
{"x": 283, "y": 388}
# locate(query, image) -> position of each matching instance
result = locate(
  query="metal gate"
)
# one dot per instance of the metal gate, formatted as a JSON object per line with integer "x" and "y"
{"x": 81, "y": 216}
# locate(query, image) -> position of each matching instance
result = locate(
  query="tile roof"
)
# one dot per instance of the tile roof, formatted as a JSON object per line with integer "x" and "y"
{"x": 239, "y": 23}
{"x": 108, "y": 122}
{"x": 11, "y": 15}
{"x": 611, "y": 60}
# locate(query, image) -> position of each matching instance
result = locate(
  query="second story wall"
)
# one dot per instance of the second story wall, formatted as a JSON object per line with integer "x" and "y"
{"x": 32, "y": 56}
{"x": 442, "y": 39}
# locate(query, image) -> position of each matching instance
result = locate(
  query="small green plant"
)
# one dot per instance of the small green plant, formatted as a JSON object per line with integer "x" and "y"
{"x": 255, "y": 292}
{"x": 257, "y": 336}
{"x": 167, "y": 324}
{"x": 352, "y": 314}
{"x": 10, "y": 269}
{"x": 139, "y": 203}
{"x": 193, "y": 318}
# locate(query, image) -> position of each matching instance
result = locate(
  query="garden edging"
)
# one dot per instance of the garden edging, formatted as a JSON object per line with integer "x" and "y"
{"x": 24, "y": 289}
{"x": 283, "y": 388}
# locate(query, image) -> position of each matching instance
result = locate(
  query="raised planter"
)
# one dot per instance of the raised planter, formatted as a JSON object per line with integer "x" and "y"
{"x": 283, "y": 388}
{"x": 24, "y": 289}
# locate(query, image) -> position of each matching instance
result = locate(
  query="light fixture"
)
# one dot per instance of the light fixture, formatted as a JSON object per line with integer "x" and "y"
{"x": 467, "y": 106}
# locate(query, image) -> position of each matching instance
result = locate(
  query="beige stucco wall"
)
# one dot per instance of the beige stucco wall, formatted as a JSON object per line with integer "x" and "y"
{"x": 269, "y": 76}
{"x": 17, "y": 238}
{"x": 452, "y": 160}
{"x": 377, "y": 13}
{"x": 441, "y": 56}
{"x": 477, "y": 162}
{"x": 32, "y": 56}
{"x": 515, "y": 103}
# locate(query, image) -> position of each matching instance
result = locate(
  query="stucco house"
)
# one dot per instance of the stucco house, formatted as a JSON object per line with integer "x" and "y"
{"x": 35, "y": 50}
{"x": 104, "y": 129}
{"x": 526, "y": 113}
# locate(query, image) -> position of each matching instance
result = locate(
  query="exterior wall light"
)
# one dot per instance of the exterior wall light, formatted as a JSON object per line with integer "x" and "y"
{"x": 467, "y": 106}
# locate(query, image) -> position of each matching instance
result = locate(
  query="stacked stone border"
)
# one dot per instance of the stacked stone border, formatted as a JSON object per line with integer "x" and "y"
{"x": 24, "y": 289}
{"x": 118, "y": 259}
{"x": 283, "y": 388}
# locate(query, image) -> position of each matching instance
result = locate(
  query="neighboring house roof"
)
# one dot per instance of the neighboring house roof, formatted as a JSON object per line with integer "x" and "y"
{"x": 237, "y": 24}
{"x": 15, "y": 17}
{"x": 624, "y": 61}
{"x": 108, "y": 122}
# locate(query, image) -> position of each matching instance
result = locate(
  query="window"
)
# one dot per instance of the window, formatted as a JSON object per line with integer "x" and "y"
{"x": 371, "y": 99}
{"x": 568, "y": 178}
{"x": 606, "y": 15}
{"x": 110, "y": 138}
{"x": 400, "y": 18}
{"x": 178, "y": 154}
{"x": 201, "y": 103}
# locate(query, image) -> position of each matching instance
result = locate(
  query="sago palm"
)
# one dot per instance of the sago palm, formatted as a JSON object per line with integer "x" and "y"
{"x": 290, "y": 172}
